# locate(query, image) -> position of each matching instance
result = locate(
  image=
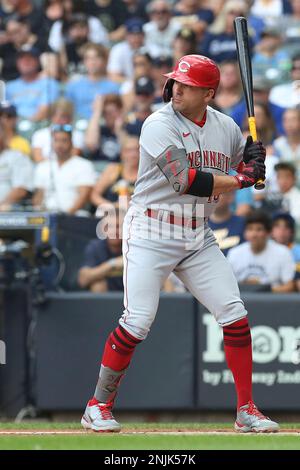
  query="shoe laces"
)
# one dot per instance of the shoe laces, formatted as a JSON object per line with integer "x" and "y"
{"x": 254, "y": 411}
{"x": 105, "y": 410}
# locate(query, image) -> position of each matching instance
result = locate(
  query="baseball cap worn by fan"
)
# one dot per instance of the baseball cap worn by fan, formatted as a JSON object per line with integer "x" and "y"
{"x": 28, "y": 50}
{"x": 134, "y": 26}
{"x": 8, "y": 109}
{"x": 162, "y": 61}
{"x": 144, "y": 86}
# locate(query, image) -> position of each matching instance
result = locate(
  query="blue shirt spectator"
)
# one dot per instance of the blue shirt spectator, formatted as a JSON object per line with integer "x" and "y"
{"x": 228, "y": 228}
{"x": 83, "y": 91}
{"x": 32, "y": 95}
{"x": 29, "y": 96}
{"x": 98, "y": 252}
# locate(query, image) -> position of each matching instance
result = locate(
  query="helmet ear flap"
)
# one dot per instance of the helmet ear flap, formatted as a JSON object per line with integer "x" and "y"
{"x": 168, "y": 89}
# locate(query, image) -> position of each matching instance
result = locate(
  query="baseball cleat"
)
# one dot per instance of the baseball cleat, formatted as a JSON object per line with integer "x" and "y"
{"x": 250, "y": 419}
{"x": 98, "y": 417}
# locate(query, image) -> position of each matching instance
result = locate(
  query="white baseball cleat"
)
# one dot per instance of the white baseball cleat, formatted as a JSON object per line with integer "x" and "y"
{"x": 99, "y": 418}
{"x": 250, "y": 419}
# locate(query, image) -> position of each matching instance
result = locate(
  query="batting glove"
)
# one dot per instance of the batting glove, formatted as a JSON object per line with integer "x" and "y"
{"x": 253, "y": 150}
{"x": 253, "y": 171}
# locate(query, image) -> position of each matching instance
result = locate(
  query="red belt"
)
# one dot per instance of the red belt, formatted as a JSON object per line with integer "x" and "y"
{"x": 172, "y": 219}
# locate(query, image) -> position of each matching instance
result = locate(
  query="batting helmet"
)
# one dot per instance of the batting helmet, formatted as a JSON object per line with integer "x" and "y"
{"x": 194, "y": 70}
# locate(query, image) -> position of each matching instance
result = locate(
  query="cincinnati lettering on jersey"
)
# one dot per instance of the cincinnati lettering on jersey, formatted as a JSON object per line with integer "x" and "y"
{"x": 210, "y": 159}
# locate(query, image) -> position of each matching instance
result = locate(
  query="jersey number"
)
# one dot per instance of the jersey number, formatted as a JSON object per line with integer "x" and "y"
{"x": 213, "y": 199}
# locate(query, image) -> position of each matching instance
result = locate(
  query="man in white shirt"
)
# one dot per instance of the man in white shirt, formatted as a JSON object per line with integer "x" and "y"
{"x": 261, "y": 260}
{"x": 161, "y": 31}
{"x": 120, "y": 60}
{"x": 64, "y": 182}
{"x": 16, "y": 175}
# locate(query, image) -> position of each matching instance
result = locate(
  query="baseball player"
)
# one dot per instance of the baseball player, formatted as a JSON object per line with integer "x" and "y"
{"x": 186, "y": 151}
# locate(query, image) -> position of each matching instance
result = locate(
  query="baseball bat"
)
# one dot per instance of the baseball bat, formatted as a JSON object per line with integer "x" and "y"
{"x": 244, "y": 60}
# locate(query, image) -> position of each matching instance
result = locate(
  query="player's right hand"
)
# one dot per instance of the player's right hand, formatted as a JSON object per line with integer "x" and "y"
{"x": 253, "y": 171}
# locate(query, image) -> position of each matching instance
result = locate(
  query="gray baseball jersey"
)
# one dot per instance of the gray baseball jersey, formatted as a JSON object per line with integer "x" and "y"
{"x": 148, "y": 261}
{"x": 216, "y": 147}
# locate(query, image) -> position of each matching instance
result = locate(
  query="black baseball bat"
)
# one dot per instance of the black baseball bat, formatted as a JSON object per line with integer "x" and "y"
{"x": 244, "y": 60}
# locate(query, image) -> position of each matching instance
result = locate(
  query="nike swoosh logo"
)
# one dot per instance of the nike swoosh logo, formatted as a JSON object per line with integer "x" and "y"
{"x": 186, "y": 134}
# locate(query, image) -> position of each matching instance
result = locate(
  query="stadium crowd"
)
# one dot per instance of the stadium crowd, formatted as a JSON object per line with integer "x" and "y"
{"x": 79, "y": 77}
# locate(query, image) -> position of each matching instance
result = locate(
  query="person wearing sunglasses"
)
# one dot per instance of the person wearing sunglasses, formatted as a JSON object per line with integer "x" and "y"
{"x": 61, "y": 112}
{"x": 63, "y": 183}
{"x": 161, "y": 31}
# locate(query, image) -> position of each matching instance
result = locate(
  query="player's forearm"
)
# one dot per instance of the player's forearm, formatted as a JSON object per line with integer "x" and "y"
{"x": 224, "y": 184}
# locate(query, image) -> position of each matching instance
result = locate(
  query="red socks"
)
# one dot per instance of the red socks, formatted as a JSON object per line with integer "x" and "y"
{"x": 119, "y": 349}
{"x": 238, "y": 352}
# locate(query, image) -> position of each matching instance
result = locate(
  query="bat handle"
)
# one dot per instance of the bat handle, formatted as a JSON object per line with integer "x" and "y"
{"x": 260, "y": 184}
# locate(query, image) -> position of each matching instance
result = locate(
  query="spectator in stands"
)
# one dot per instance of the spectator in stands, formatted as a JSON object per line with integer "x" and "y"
{"x": 265, "y": 126}
{"x": 103, "y": 133}
{"x": 97, "y": 32}
{"x": 193, "y": 14}
{"x": 228, "y": 228}
{"x": 76, "y": 35}
{"x": 16, "y": 175}
{"x": 289, "y": 194}
{"x": 120, "y": 62}
{"x": 289, "y": 25}
{"x": 261, "y": 261}
{"x": 53, "y": 11}
{"x": 286, "y": 95}
{"x": 161, "y": 66}
{"x": 219, "y": 42}
{"x": 161, "y": 31}
{"x": 83, "y": 91}
{"x": 31, "y": 94}
{"x": 270, "y": 10}
{"x": 230, "y": 94}
{"x": 116, "y": 184}
{"x": 283, "y": 232}
{"x": 185, "y": 43}
{"x": 63, "y": 183}
{"x": 19, "y": 35}
{"x": 8, "y": 122}
{"x": 136, "y": 9}
{"x": 142, "y": 66}
{"x": 270, "y": 60}
{"x": 61, "y": 113}
{"x": 102, "y": 267}
{"x": 287, "y": 147}
{"x": 112, "y": 14}
{"x": 144, "y": 98}
{"x": 27, "y": 10}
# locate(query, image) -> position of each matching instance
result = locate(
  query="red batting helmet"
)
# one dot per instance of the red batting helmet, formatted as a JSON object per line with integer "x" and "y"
{"x": 194, "y": 70}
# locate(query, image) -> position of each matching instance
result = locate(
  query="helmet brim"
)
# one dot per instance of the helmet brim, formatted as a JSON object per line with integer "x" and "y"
{"x": 182, "y": 78}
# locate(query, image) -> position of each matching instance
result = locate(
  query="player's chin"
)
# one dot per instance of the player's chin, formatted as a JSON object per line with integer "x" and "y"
{"x": 177, "y": 104}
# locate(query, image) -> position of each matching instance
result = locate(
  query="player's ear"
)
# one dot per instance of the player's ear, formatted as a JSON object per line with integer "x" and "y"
{"x": 210, "y": 93}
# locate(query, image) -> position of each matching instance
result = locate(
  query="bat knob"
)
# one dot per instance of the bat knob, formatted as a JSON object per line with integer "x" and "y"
{"x": 260, "y": 185}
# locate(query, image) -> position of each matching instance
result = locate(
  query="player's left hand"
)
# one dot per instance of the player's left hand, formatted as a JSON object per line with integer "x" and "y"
{"x": 253, "y": 150}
